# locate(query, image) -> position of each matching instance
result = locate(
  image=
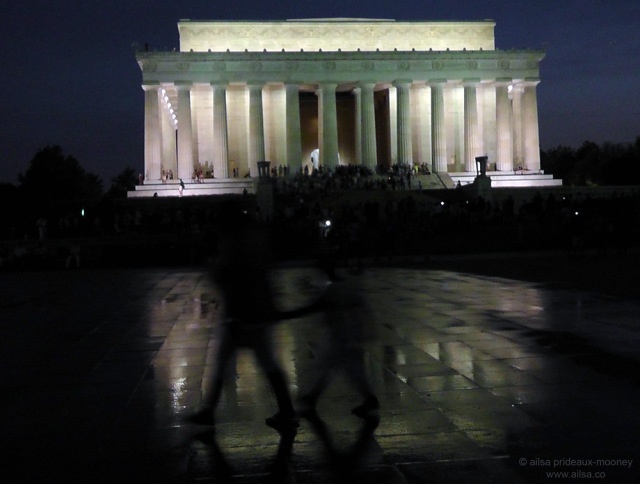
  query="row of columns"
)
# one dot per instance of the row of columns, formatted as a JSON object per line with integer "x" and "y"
{"x": 516, "y": 127}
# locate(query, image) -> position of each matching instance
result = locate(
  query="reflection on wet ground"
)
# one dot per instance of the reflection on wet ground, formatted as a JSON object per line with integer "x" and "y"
{"x": 480, "y": 379}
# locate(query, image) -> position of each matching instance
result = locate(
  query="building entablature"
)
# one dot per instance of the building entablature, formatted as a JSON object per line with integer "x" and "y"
{"x": 334, "y": 34}
{"x": 305, "y": 67}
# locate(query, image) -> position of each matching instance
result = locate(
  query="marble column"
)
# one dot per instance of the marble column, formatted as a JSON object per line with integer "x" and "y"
{"x": 405, "y": 149}
{"x": 168, "y": 133}
{"x": 530, "y": 126}
{"x": 294, "y": 140}
{"x": 368, "y": 123}
{"x": 185, "y": 139}
{"x": 152, "y": 133}
{"x": 220, "y": 132}
{"x": 329, "y": 138}
{"x": 256, "y": 128}
{"x": 438, "y": 135}
{"x": 422, "y": 105}
{"x": 393, "y": 123}
{"x": 357, "y": 96}
{"x": 516, "y": 122}
{"x": 503, "y": 128}
{"x": 470, "y": 125}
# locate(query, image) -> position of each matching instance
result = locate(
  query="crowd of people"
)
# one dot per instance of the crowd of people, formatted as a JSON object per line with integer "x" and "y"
{"x": 352, "y": 208}
{"x": 350, "y": 177}
{"x": 452, "y": 221}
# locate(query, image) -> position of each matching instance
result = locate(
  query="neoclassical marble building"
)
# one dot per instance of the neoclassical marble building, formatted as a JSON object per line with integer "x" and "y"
{"x": 370, "y": 92}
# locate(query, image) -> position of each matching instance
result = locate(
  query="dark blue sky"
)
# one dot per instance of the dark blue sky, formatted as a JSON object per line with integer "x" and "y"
{"x": 69, "y": 77}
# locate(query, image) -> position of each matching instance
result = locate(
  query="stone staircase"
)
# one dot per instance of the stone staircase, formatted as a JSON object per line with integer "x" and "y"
{"x": 222, "y": 186}
{"x": 510, "y": 179}
{"x": 433, "y": 181}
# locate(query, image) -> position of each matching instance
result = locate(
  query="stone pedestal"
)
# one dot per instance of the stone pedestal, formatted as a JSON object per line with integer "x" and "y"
{"x": 481, "y": 187}
{"x": 264, "y": 191}
{"x": 481, "y": 165}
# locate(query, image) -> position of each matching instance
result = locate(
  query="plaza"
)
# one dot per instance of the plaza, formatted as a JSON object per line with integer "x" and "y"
{"x": 481, "y": 378}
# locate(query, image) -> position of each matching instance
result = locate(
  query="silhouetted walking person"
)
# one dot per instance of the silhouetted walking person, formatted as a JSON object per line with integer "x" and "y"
{"x": 350, "y": 323}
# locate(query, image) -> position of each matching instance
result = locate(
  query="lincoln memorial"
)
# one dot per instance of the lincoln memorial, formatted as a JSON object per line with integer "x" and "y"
{"x": 347, "y": 91}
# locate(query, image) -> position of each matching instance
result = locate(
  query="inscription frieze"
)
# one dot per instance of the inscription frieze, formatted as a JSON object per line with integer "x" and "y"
{"x": 333, "y": 35}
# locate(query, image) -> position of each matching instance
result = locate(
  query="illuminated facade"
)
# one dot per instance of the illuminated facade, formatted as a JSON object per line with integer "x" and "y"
{"x": 370, "y": 92}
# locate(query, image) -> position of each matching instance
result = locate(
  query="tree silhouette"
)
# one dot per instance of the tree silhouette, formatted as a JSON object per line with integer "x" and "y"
{"x": 57, "y": 183}
{"x": 589, "y": 170}
{"x": 122, "y": 183}
{"x": 592, "y": 164}
{"x": 559, "y": 161}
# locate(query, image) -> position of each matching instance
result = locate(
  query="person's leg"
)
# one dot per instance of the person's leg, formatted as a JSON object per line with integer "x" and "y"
{"x": 308, "y": 401}
{"x": 327, "y": 363}
{"x": 286, "y": 416}
{"x": 226, "y": 350}
{"x": 357, "y": 374}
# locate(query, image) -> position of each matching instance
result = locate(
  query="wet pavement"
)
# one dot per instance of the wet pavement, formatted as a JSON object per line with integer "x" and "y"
{"x": 480, "y": 379}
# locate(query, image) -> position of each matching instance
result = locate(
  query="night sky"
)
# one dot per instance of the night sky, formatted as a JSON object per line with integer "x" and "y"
{"x": 69, "y": 76}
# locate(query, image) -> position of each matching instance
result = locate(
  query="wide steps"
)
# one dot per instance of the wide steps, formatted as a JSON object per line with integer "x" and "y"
{"x": 222, "y": 186}
{"x": 504, "y": 179}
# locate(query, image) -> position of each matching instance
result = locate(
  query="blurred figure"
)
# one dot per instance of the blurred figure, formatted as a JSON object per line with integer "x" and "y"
{"x": 73, "y": 256}
{"x": 350, "y": 324}
{"x": 242, "y": 274}
{"x": 279, "y": 471}
{"x": 347, "y": 465}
